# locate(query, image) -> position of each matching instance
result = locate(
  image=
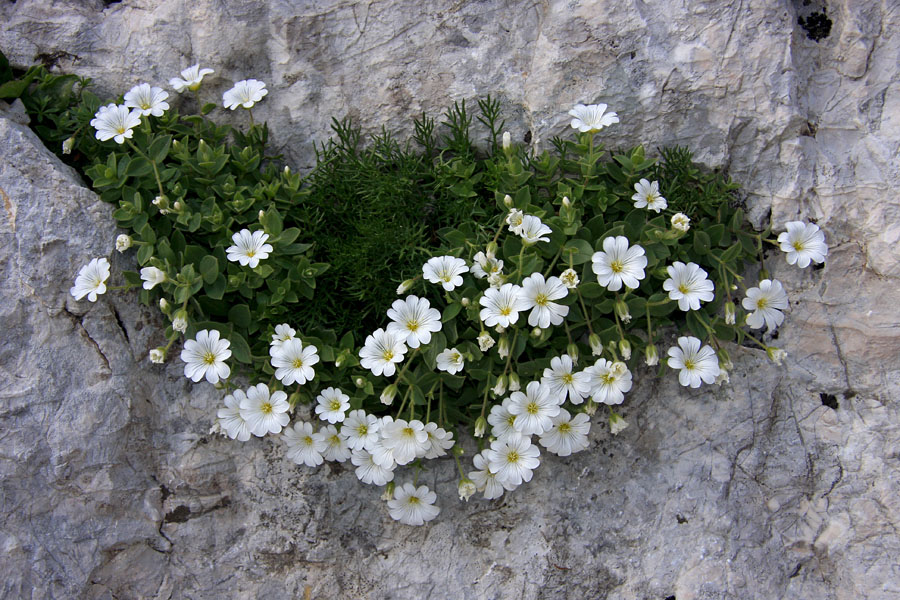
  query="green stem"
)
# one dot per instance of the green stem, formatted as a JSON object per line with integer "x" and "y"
{"x": 587, "y": 318}
{"x": 403, "y": 402}
{"x": 152, "y": 163}
{"x": 552, "y": 263}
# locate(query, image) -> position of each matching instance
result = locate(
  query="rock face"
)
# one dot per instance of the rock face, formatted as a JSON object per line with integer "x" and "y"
{"x": 783, "y": 484}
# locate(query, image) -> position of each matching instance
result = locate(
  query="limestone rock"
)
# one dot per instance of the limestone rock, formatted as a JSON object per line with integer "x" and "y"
{"x": 782, "y": 484}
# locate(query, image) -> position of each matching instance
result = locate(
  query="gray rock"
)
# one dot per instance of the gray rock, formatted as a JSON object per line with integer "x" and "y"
{"x": 783, "y": 484}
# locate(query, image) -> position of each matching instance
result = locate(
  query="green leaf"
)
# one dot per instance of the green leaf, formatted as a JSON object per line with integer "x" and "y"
{"x": 732, "y": 253}
{"x": 159, "y": 148}
{"x": 138, "y": 167}
{"x": 701, "y": 242}
{"x": 450, "y": 311}
{"x": 144, "y": 253}
{"x": 240, "y": 315}
{"x": 147, "y": 234}
{"x": 581, "y": 251}
{"x": 272, "y": 221}
{"x": 216, "y": 289}
{"x": 207, "y": 108}
{"x": 209, "y": 268}
{"x": 15, "y": 88}
{"x": 239, "y": 348}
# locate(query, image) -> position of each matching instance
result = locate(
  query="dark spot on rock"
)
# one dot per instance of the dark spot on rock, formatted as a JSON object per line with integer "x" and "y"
{"x": 818, "y": 266}
{"x": 672, "y": 597}
{"x": 527, "y": 138}
{"x": 166, "y": 492}
{"x": 817, "y": 25}
{"x": 181, "y": 514}
{"x": 796, "y": 571}
{"x": 829, "y": 400}
{"x": 809, "y": 129}
{"x": 849, "y": 394}
{"x": 681, "y": 520}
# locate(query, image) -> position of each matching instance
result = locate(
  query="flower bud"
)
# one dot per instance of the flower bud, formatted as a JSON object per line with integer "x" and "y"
{"x": 287, "y": 170}
{"x": 622, "y": 311}
{"x": 466, "y": 489}
{"x": 485, "y": 341}
{"x": 729, "y": 313}
{"x": 536, "y": 332}
{"x": 616, "y": 423}
{"x": 503, "y": 347}
{"x": 776, "y": 355}
{"x": 590, "y": 407}
{"x": 480, "y": 426}
{"x": 625, "y": 349}
{"x": 651, "y": 356}
{"x": 388, "y": 491}
{"x": 508, "y": 201}
{"x": 491, "y": 250}
{"x": 163, "y": 305}
{"x": 724, "y": 360}
{"x": 596, "y": 344}
{"x": 514, "y": 383}
{"x": 387, "y": 396}
{"x": 261, "y": 214}
{"x": 68, "y": 145}
{"x": 158, "y": 355}
{"x": 234, "y": 280}
{"x": 123, "y": 242}
{"x": 499, "y": 386}
{"x": 359, "y": 382}
{"x": 681, "y": 222}
{"x": 569, "y": 278}
{"x": 177, "y": 206}
{"x": 464, "y": 301}
{"x": 572, "y": 351}
{"x": 566, "y": 202}
{"x": 507, "y": 141}
{"x": 405, "y": 286}
{"x": 179, "y": 323}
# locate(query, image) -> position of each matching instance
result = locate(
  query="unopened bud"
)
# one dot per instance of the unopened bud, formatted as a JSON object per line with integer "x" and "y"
{"x": 480, "y": 426}
{"x": 464, "y": 301}
{"x": 485, "y": 341}
{"x": 596, "y": 344}
{"x": 616, "y": 423}
{"x": 625, "y": 349}
{"x": 590, "y": 407}
{"x": 123, "y": 242}
{"x": 514, "y": 383}
{"x": 287, "y": 170}
{"x": 262, "y": 214}
{"x": 405, "y": 286}
{"x": 572, "y": 351}
{"x": 724, "y": 359}
{"x": 499, "y": 386}
{"x": 387, "y": 396}
{"x": 503, "y": 347}
{"x": 466, "y": 489}
{"x": 359, "y": 382}
{"x": 536, "y": 332}
{"x": 68, "y": 145}
{"x": 177, "y": 206}
{"x": 507, "y": 140}
{"x": 491, "y": 250}
{"x": 507, "y": 200}
{"x": 179, "y": 323}
{"x": 729, "y": 313}
{"x": 566, "y": 202}
{"x": 163, "y": 304}
{"x": 388, "y": 492}
{"x": 622, "y": 311}
{"x": 776, "y": 355}
{"x": 651, "y": 356}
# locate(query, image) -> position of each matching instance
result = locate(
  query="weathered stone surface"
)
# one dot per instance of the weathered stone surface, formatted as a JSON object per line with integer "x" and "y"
{"x": 782, "y": 485}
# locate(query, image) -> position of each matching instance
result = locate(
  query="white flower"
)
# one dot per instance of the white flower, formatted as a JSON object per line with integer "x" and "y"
{"x": 515, "y": 219}
{"x": 502, "y": 306}
{"x": 619, "y": 264}
{"x": 388, "y": 394}
{"x": 91, "y": 280}
{"x": 647, "y": 195}
{"x": 483, "y": 265}
{"x": 152, "y": 277}
{"x": 439, "y": 440}
{"x": 382, "y": 455}
{"x": 466, "y": 489}
{"x": 245, "y": 93}
{"x": 190, "y": 78}
{"x": 205, "y": 357}
{"x": 538, "y": 294}
{"x": 484, "y": 480}
{"x": 293, "y": 361}
{"x": 485, "y": 341}
{"x": 335, "y": 446}
{"x": 776, "y": 355}
{"x": 503, "y": 345}
{"x": 413, "y": 321}
{"x": 445, "y": 270}
{"x": 249, "y": 248}
{"x": 230, "y": 419}
{"x": 534, "y": 409}
{"x": 115, "y": 122}
{"x": 681, "y": 222}
{"x": 616, "y": 424}
{"x": 413, "y": 505}
{"x": 450, "y": 360}
{"x": 569, "y": 278}
{"x": 405, "y": 440}
{"x": 513, "y": 459}
{"x": 609, "y": 381}
{"x": 687, "y": 283}
{"x": 148, "y": 100}
{"x": 651, "y": 356}
{"x": 766, "y": 301}
{"x": 502, "y": 420}
{"x": 567, "y": 435}
{"x": 304, "y": 446}
{"x": 368, "y": 471}
{"x": 405, "y": 285}
{"x": 283, "y": 333}
{"x": 803, "y": 242}
{"x": 381, "y": 352}
{"x": 495, "y": 280}
{"x": 158, "y": 355}
{"x": 592, "y": 118}
{"x": 263, "y": 412}
{"x": 533, "y": 230}
{"x": 123, "y": 242}
{"x": 333, "y": 403}
{"x": 507, "y": 140}
{"x": 360, "y": 430}
{"x": 499, "y": 386}
{"x": 179, "y": 323}
{"x": 696, "y": 363}
{"x": 561, "y": 382}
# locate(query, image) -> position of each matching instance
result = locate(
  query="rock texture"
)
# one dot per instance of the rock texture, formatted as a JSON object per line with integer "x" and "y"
{"x": 782, "y": 485}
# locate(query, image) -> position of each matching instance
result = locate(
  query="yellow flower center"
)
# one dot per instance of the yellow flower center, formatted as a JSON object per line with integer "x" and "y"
{"x": 414, "y": 500}
{"x": 684, "y": 289}
{"x": 387, "y": 354}
{"x": 412, "y": 325}
{"x": 798, "y": 245}
{"x": 541, "y": 300}
{"x": 446, "y": 278}
{"x": 362, "y": 429}
{"x": 266, "y": 408}
{"x": 510, "y": 420}
{"x": 567, "y": 378}
{"x": 532, "y": 408}
{"x": 690, "y": 365}
{"x": 608, "y": 378}
{"x": 505, "y": 311}
{"x": 335, "y": 405}
{"x": 512, "y": 457}
{"x": 409, "y": 432}
{"x": 209, "y": 358}
{"x": 565, "y": 428}
{"x": 616, "y": 266}
{"x": 298, "y": 362}
{"x": 308, "y": 441}
{"x": 251, "y": 253}
{"x": 762, "y": 302}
